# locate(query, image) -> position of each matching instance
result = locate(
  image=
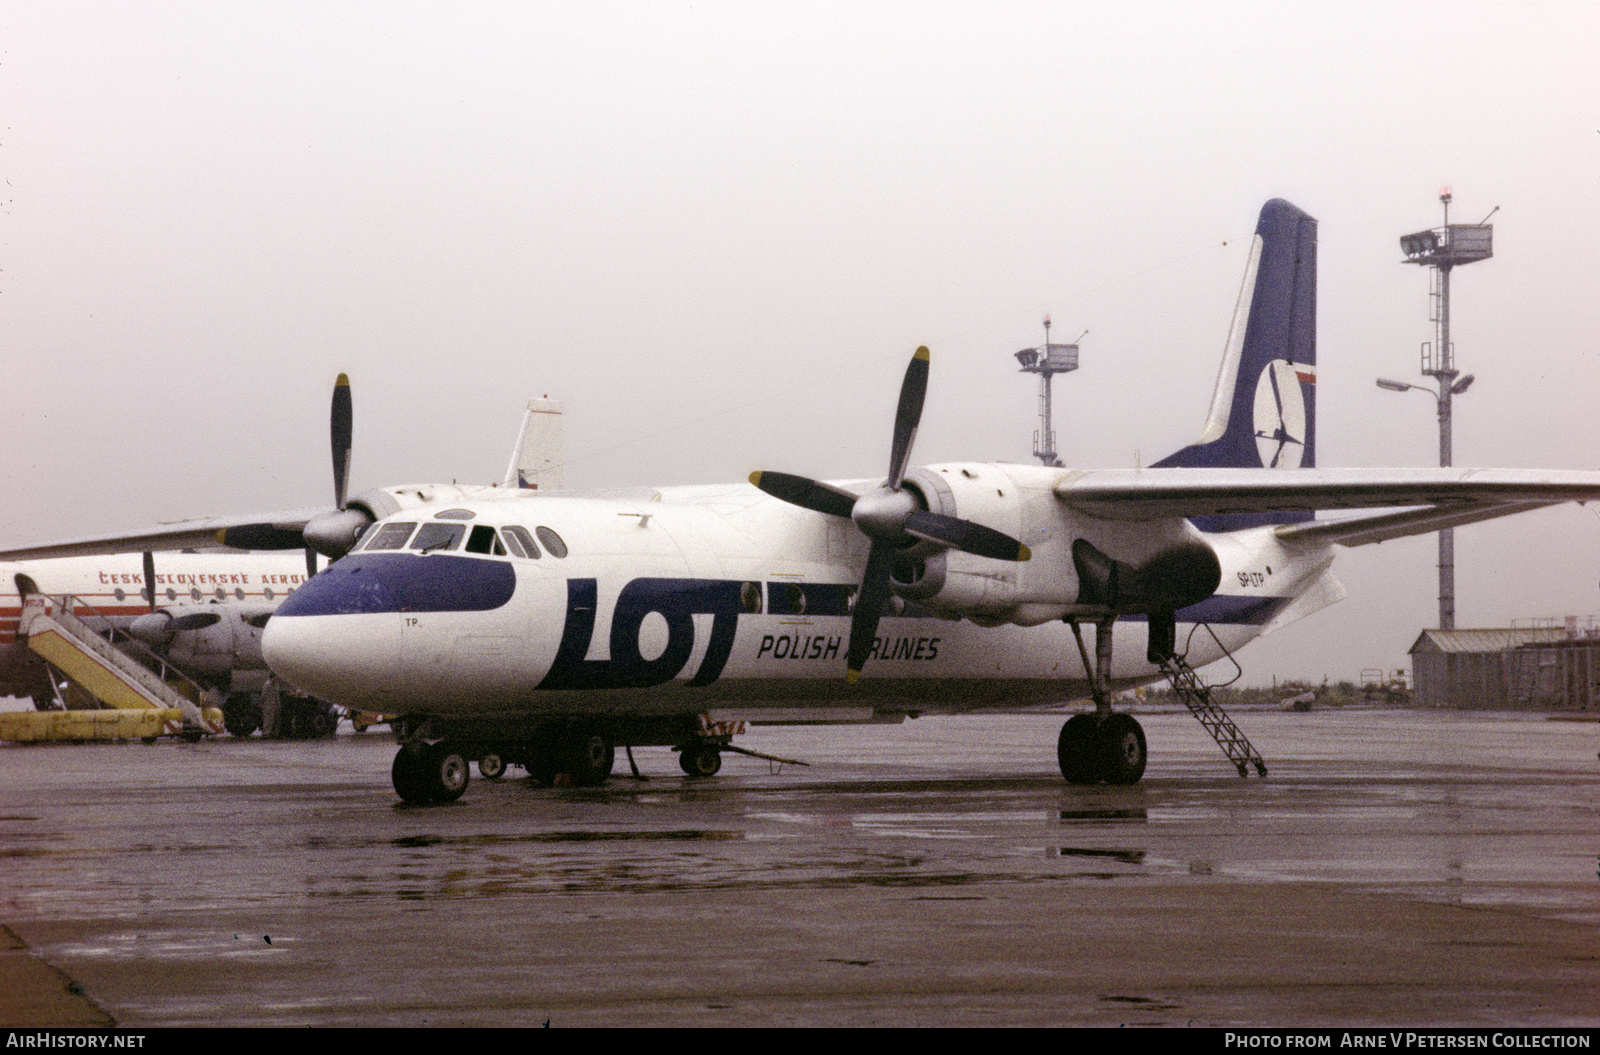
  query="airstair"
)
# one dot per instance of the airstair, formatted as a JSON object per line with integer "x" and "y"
{"x": 141, "y": 701}
{"x": 1196, "y": 695}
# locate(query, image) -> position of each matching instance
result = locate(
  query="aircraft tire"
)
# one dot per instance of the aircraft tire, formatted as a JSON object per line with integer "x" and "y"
{"x": 588, "y": 755}
{"x": 407, "y": 774}
{"x": 429, "y": 774}
{"x": 1122, "y": 750}
{"x": 700, "y": 760}
{"x": 241, "y": 715}
{"x": 1075, "y": 750}
{"x": 448, "y": 772}
{"x": 491, "y": 766}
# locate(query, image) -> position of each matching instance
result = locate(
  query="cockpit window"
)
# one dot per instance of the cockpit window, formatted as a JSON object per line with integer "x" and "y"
{"x": 435, "y": 538}
{"x": 520, "y": 541}
{"x": 389, "y": 536}
{"x": 484, "y": 540}
{"x": 552, "y": 541}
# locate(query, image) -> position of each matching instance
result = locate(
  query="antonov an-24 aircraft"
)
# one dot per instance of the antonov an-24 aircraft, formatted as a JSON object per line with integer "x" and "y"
{"x": 544, "y": 628}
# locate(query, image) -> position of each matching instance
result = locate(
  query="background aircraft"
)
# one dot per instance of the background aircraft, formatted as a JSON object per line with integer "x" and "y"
{"x": 551, "y": 627}
{"x": 209, "y": 607}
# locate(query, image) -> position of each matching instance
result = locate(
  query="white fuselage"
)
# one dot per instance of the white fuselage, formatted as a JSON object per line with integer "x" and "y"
{"x": 721, "y": 599}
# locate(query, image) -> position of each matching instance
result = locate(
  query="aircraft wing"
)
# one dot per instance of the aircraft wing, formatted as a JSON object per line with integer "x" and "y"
{"x": 1444, "y": 497}
{"x": 272, "y": 531}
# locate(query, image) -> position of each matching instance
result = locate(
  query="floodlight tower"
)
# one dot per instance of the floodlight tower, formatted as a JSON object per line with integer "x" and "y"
{"x": 1442, "y": 249}
{"x": 1047, "y": 361}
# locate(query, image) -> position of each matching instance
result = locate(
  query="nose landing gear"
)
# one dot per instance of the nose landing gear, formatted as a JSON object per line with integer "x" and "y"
{"x": 429, "y": 774}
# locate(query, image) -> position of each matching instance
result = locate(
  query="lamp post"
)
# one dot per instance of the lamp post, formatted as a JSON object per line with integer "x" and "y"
{"x": 1048, "y": 360}
{"x": 1442, "y": 249}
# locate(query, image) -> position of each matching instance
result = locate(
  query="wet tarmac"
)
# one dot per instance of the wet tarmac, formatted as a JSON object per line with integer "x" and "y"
{"x": 1395, "y": 868}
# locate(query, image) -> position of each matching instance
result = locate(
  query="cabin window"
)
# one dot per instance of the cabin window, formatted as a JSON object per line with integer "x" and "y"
{"x": 484, "y": 540}
{"x": 266, "y": 591}
{"x": 120, "y": 593}
{"x": 750, "y": 597}
{"x": 436, "y": 538}
{"x": 520, "y": 541}
{"x": 172, "y": 595}
{"x": 238, "y": 592}
{"x": 390, "y": 536}
{"x": 552, "y": 542}
{"x": 194, "y": 593}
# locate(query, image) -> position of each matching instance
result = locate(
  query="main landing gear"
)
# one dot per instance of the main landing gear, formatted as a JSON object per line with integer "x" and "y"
{"x": 1104, "y": 747}
{"x": 577, "y": 753}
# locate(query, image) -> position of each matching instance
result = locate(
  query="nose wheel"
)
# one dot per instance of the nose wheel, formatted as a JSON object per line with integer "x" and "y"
{"x": 429, "y": 774}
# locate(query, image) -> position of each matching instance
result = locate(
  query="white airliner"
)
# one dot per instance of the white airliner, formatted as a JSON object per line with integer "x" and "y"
{"x": 547, "y": 629}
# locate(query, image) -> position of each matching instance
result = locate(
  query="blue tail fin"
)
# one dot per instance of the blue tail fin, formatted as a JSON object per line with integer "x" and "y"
{"x": 1263, "y": 413}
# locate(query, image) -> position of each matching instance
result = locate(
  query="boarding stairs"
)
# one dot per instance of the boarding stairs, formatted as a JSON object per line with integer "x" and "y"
{"x": 107, "y": 672}
{"x": 1196, "y": 695}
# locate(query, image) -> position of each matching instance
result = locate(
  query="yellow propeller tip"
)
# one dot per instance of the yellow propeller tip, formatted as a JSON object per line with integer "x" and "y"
{"x": 922, "y": 353}
{"x": 342, "y": 382}
{"x": 850, "y": 676}
{"x": 755, "y": 478}
{"x": 1024, "y": 551}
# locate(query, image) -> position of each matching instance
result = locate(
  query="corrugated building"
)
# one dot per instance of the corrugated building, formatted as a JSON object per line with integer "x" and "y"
{"x": 1516, "y": 668}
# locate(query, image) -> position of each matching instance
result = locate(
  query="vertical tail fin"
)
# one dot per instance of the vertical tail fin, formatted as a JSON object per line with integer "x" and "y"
{"x": 536, "y": 461}
{"x": 1263, "y": 412}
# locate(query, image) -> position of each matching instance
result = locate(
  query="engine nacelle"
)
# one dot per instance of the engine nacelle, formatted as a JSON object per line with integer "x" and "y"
{"x": 215, "y": 644}
{"x": 1079, "y": 565}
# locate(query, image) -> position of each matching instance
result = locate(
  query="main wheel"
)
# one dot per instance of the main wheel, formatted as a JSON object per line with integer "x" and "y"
{"x": 587, "y": 755}
{"x": 241, "y": 715}
{"x": 1076, "y": 750}
{"x": 491, "y": 766}
{"x": 700, "y": 760}
{"x": 1122, "y": 750}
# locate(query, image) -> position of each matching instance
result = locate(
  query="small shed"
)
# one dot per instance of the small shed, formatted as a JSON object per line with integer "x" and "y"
{"x": 1515, "y": 668}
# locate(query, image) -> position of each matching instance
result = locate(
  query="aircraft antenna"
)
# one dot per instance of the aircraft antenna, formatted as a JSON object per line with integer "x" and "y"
{"x": 1048, "y": 360}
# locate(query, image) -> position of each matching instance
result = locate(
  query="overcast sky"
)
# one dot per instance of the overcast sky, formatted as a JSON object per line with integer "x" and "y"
{"x": 716, "y": 231}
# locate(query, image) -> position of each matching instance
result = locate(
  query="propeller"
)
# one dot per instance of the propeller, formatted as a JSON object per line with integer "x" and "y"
{"x": 891, "y": 516}
{"x": 333, "y": 533}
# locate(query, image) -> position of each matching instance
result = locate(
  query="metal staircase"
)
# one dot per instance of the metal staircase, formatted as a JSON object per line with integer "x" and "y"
{"x": 1196, "y": 695}
{"x": 102, "y": 669}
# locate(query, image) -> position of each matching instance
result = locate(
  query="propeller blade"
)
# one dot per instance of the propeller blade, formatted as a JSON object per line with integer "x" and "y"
{"x": 805, "y": 493}
{"x": 150, "y": 579}
{"x": 311, "y": 561}
{"x": 869, "y": 607}
{"x": 964, "y": 535}
{"x": 339, "y": 427}
{"x": 907, "y": 416}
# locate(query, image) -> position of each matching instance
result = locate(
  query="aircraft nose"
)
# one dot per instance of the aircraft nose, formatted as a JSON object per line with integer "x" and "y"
{"x": 337, "y": 638}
